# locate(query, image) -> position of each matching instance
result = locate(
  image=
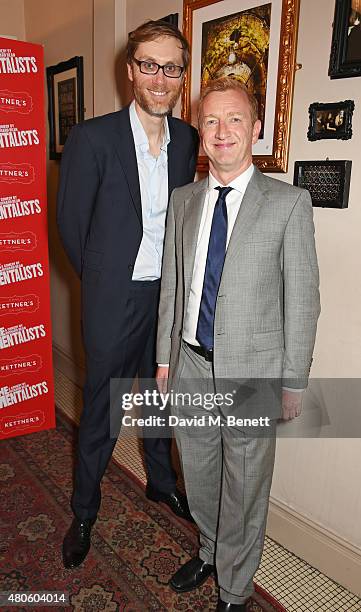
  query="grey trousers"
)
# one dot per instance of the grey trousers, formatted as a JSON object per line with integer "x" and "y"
{"x": 228, "y": 474}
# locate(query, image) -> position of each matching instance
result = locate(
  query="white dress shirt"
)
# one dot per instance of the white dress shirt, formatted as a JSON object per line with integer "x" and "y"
{"x": 153, "y": 182}
{"x": 233, "y": 203}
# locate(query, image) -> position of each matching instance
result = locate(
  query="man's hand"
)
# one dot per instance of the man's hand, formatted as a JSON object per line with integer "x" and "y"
{"x": 291, "y": 404}
{"x": 162, "y": 378}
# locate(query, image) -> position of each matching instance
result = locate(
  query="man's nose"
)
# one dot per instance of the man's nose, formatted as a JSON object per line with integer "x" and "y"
{"x": 160, "y": 78}
{"x": 222, "y": 129}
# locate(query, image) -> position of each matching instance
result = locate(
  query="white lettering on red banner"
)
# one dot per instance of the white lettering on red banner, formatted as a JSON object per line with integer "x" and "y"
{"x": 16, "y": 272}
{"x": 12, "y": 207}
{"x": 16, "y": 304}
{"x": 23, "y": 241}
{"x": 21, "y": 393}
{"x": 21, "y": 422}
{"x": 26, "y": 375}
{"x": 19, "y": 334}
{"x": 15, "y": 102}
{"x": 18, "y": 365}
{"x": 10, "y": 63}
{"x": 11, "y": 136}
{"x": 17, "y": 173}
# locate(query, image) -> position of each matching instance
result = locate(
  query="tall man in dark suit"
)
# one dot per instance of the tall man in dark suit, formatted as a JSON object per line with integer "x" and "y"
{"x": 116, "y": 176}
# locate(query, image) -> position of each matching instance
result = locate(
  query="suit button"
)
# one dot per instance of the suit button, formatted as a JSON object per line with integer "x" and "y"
{"x": 130, "y": 268}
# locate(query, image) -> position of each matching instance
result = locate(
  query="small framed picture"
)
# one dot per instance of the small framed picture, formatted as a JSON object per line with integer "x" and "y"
{"x": 345, "y": 58}
{"x": 331, "y": 120}
{"x": 328, "y": 181}
{"x": 66, "y": 101}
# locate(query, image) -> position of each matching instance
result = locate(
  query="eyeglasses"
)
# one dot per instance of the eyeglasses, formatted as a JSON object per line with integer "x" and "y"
{"x": 169, "y": 70}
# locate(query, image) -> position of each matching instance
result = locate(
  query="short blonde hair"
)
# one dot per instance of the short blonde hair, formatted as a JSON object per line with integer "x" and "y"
{"x": 225, "y": 84}
{"x": 151, "y": 30}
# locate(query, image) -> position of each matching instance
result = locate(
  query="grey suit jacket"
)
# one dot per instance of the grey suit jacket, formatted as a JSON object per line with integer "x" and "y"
{"x": 268, "y": 300}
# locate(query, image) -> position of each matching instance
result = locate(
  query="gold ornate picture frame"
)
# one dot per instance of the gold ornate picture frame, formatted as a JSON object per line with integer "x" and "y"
{"x": 254, "y": 41}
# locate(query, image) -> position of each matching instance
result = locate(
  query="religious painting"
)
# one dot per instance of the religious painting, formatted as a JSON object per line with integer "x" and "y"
{"x": 237, "y": 46}
{"x": 255, "y": 43}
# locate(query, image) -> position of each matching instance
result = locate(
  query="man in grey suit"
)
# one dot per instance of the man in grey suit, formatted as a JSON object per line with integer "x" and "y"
{"x": 239, "y": 307}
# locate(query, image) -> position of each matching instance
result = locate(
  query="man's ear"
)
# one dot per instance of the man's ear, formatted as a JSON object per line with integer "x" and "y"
{"x": 256, "y": 130}
{"x": 130, "y": 71}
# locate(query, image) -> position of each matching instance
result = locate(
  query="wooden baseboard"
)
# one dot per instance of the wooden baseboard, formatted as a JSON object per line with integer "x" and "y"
{"x": 316, "y": 545}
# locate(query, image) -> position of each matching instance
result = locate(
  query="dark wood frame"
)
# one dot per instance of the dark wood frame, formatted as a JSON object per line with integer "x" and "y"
{"x": 278, "y": 160}
{"x": 343, "y": 167}
{"x": 172, "y": 19}
{"x": 77, "y": 63}
{"x": 342, "y": 134}
{"x": 339, "y": 67}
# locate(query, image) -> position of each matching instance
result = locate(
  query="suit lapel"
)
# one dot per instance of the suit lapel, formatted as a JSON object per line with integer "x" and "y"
{"x": 193, "y": 208}
{"x": 124, "y": 144}
{"x": 126, "y": 153}
{"x": 173, "y": 162}
{"x": 248, "y": 212}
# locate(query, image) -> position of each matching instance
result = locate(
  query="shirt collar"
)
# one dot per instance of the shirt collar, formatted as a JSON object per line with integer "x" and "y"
{"x": 240, "y": 183}
{"x": 140, "y": 137}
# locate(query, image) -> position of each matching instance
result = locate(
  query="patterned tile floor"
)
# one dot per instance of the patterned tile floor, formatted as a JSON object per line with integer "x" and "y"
{"x": 295, "y": 584}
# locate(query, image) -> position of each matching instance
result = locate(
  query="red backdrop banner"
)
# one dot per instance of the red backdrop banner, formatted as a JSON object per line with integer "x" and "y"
{"x": 26, "y": 375}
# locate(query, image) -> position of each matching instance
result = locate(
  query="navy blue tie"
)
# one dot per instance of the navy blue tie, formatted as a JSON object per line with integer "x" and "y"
{"x": 214, "y": 266}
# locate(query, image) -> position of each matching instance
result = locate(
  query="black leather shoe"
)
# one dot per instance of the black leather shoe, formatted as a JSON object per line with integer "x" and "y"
{"x": 191, "y": 575}
{"x": 176, "y": 501}
{"x": 223, "y": 606}
{"x": 77, "y": 542}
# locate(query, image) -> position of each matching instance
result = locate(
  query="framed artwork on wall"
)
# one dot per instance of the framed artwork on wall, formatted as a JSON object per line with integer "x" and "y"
{"x": 253, "y": 41}
{"x": 66, "y": 101}
{"x": 332, "y": 120}
{"x": 345, "y": 58}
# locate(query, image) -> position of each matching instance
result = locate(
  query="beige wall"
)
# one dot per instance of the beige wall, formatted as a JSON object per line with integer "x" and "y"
{"x": 137, "y": 12}
{"x": 318, "y": 478}
{"x": 338, "y": 347}
{"x": 12, "y": 21}
{"x": 315, "y": 479}
{"x": 104, "y": 51}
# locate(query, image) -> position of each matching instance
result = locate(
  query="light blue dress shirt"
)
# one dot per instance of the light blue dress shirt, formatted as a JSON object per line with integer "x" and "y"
{"x": 153, "y": 181}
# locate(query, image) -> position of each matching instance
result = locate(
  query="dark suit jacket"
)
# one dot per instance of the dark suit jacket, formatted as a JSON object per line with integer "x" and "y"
{"x": 99, "y": 214}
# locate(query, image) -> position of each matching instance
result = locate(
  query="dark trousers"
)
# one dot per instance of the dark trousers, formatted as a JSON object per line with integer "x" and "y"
{"x": 134, "y": 354}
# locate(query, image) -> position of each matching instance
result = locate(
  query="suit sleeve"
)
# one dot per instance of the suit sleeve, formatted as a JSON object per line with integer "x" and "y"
{"x": 168, "y": 289}
{"x": 301, "y": 299}
{"x": 78, "y": 186}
